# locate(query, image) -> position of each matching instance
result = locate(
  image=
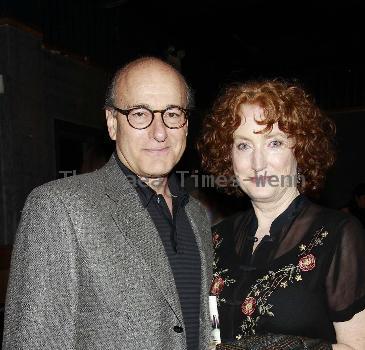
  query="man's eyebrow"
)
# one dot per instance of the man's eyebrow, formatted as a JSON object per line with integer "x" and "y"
{"x": 138, "y": 106}
{"x": 172, "y": 106}
{"x": 149, "y": 107}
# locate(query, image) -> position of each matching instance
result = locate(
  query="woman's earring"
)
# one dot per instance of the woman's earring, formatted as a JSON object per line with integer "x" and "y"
{"x": 299, "y": 178}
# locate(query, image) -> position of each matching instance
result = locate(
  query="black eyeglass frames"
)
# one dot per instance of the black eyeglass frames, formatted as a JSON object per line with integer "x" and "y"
{"x": 173, "y": 117}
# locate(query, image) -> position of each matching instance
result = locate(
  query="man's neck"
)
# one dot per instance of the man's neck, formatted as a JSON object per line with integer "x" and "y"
{"x": 159, "y": 185}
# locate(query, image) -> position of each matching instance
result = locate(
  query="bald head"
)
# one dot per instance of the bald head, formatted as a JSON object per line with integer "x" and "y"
{"x": 145, "y": 69}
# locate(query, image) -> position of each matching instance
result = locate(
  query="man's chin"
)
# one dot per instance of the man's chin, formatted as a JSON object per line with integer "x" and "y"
{"x": 156, "y": 169}
{"x": 153, "y": 176}
{"x": 156, "y": 173}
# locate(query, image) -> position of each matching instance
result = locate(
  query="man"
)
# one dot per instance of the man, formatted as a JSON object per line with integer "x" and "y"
{"x": 119, "y": 258}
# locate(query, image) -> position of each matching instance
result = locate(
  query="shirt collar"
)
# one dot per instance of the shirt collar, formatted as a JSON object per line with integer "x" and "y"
{"x": 283, "y": 221}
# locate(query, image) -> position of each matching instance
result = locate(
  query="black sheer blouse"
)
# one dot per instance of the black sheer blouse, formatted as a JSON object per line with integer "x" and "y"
{"x": 306, "y": 273}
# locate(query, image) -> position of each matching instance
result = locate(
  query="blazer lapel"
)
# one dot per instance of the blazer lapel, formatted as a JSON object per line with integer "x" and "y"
{"x": 195, "y": 218}
{"x": 135, "y": 223}
{"x": 201, "y": 229}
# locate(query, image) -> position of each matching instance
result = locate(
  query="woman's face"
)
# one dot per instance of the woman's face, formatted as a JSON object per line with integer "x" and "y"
{"x": 264, "y": 164}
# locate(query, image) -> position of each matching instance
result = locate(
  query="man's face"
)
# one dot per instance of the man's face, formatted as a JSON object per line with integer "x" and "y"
{"x": 154, "y": 151}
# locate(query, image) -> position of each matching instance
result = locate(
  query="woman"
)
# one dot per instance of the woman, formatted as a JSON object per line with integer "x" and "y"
{"x": 288, "y": 266}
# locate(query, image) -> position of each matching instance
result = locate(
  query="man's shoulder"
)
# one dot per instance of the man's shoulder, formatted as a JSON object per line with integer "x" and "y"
{"x": 75, "y": 183}
{"x": 84, "y": 186}
{"x": 194, "y": 203}
{"x": 196, "y": 208}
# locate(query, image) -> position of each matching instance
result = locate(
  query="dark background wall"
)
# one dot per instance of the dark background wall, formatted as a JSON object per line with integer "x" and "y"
{"x": 348, "y": 170}
{"x": 41, "y": 87}
{"x": 56, "y": 58}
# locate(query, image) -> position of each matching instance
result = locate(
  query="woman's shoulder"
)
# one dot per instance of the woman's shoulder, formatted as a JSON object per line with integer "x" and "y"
{"x": 333, "y": 217}
{"x": 338, "y": 223}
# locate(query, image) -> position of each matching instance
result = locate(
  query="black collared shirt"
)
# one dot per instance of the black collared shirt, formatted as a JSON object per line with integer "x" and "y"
{"x": 180, "y": 244}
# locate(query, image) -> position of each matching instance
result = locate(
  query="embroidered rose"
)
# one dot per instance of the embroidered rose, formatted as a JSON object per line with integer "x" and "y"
{"x": 217, "y": 286}
{"x": 249, "y": 305}
{"x": 307, "y": 262}
{"x": 215, "y": 239}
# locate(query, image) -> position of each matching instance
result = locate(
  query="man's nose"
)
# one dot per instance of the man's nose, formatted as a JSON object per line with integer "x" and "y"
{"x": 158, "y": 128}
{"x": 259, "y": 161}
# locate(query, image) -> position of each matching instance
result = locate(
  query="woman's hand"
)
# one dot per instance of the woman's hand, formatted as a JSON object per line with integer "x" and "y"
{"x": 351, "y": 334}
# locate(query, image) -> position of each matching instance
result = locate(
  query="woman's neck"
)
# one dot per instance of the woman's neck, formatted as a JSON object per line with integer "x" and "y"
{"x": 267, "y": 212}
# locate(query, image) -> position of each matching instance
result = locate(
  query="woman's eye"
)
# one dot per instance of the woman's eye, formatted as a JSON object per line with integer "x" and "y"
{"x": 276, "y": 143}
{"x": 242, "y": 146}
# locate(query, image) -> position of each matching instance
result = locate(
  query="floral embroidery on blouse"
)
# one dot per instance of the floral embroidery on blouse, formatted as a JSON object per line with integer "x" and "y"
{"x": 220, "y": 276}
{"x": 256, "y": 305}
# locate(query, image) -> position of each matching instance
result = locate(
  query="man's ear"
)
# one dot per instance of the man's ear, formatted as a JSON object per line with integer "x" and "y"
{"x": 111, "y": 122}
{"x": 187, "y": 128}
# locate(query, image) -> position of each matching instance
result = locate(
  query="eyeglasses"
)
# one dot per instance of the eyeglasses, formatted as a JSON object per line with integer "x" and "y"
{"x": 141, "y": 117}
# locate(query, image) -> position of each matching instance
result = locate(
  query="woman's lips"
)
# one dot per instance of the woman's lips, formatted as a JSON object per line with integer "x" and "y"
{"x": 260, "y": 178}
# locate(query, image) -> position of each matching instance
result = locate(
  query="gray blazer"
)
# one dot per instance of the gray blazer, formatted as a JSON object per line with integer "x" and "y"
{"x": 89, "y": 270}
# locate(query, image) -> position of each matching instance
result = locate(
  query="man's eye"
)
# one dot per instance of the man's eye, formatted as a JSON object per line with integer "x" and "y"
{"x": 139, "y": 114}
{"x": 172, "y": 115}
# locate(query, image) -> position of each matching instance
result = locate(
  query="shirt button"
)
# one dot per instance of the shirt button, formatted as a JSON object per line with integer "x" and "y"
{"x": 178, "y": 329}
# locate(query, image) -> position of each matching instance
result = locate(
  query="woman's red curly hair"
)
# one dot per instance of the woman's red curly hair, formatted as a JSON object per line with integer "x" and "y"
{"x": 284, "y": 103}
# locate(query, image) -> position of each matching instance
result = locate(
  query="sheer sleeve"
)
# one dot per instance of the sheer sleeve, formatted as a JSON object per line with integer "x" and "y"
{"x": 345, "y": 282}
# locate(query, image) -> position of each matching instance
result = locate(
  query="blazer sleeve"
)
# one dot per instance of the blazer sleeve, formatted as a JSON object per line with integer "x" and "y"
{"x": 41, "y": 298}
